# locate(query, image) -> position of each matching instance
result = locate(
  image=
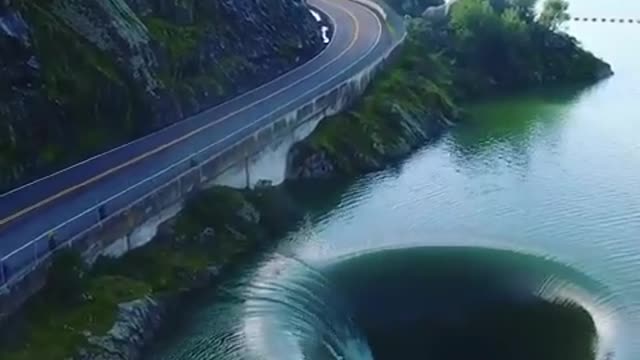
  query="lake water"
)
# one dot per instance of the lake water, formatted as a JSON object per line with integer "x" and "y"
{"x": 536, "y": 196}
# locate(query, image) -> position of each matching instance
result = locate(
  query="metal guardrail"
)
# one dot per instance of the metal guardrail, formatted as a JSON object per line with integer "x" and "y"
{"x": 22, "y": 261}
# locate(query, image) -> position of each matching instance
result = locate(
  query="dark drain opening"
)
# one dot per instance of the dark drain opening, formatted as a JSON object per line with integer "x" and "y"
{"x": 460, "y": 305}
{"x": 536, "y": 330}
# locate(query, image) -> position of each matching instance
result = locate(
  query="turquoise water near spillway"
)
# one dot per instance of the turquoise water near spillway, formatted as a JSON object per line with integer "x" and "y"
{"x": 516, "y": 235}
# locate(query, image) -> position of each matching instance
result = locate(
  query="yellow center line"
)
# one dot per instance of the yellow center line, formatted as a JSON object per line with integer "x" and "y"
{"x": 141, "y": 157}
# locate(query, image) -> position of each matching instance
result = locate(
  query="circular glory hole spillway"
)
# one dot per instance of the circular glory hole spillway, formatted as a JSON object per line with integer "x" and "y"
{"x": 467, "y": 303}
{"x": 444, "y": 303}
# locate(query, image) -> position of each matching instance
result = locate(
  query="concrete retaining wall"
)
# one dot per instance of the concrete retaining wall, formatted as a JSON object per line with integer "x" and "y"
{"x": 262, "y": 156}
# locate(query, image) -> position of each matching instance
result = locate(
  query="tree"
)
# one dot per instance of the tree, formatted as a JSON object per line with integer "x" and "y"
{"x": 514, "y": 25}
{"x": 474, "y": 20}
{"x": 480, "y": 31}
{"x": 66, "y": 279}
{"x": 525, "y": 8}
{"x": 554, "y": 13}
{"x": 499, "y": 5}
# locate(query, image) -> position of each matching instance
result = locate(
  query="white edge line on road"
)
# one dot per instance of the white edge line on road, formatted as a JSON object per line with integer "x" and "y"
{"x": 93, "y": 208}
{"x": 179, "y": 122}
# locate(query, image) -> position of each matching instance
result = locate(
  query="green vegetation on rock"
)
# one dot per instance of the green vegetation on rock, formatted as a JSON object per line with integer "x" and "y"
{"x": 485, "y": 47}
{"x": 404, "y": 107}
{"x": 191, "y": 251}
{"x": 85, "y": 76}
{"x": 496, "y": 49}
{"x": 179, "y": 40}
{"x": 74, "y": 305}
{"x": 86, "y": 95}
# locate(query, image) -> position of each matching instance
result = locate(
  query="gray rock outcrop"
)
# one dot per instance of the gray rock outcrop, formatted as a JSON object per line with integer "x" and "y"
{"x": 136, "y": 324}
{"x": 437, "y": 13}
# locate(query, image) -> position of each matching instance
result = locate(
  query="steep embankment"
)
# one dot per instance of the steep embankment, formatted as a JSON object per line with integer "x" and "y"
{"x": 476, "y": 51}
{"x": 80, "y": 76}
{"x": 114, "y": 309}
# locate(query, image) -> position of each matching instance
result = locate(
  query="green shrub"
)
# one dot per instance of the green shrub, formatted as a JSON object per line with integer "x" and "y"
{"x": 66, "y": 279}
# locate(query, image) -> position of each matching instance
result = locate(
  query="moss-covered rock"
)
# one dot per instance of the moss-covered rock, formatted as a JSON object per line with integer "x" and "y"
{"x": 410, "y": 104}
{"x": 443, "y": 63}
{"x": 55, "y": 330}
{"x": 87, "y": 75}
{"x": 116, "y": 307}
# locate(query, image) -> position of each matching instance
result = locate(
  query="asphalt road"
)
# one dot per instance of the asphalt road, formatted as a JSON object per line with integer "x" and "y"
{"x": 72, "y": 195}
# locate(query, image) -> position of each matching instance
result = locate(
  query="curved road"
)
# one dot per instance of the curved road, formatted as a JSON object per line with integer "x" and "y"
{"x": 67, "y": 201}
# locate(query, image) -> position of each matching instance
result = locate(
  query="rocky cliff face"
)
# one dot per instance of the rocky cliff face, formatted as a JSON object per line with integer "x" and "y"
{"x": 80, "y": 76}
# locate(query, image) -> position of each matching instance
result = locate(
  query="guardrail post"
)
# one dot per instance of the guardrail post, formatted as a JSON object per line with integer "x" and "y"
{"x": 247, "y": 174}
{"x": 35, "y": 253}
{"x": 181, "y": 188}
{"x": 3, "y": 274}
